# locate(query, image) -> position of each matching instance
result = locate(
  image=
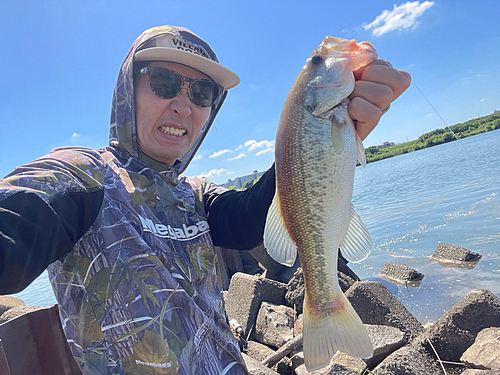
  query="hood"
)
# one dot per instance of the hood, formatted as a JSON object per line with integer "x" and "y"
{"x": 123, "y": 131}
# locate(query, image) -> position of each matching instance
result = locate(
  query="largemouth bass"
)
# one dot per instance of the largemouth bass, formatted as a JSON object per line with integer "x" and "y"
{"x": 315, "y": 153}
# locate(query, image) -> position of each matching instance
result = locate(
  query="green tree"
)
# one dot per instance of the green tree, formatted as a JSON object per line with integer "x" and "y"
{"x": 248, "y": 184}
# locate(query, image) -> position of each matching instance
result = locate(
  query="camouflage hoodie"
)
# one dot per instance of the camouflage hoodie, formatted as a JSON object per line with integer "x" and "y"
{"x": 129, "y": 247}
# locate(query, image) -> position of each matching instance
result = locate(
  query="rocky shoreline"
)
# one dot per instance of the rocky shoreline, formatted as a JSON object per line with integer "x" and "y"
{"x": 465, "y": 340}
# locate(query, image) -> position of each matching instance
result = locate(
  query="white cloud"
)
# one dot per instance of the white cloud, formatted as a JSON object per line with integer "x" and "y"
{"x": 197, "y": 157}
{"x": 429, "y": 114}
{"x": 78, "y": 139}
{"x": 214, "y": 172}
{"x": 218, "y": 153}
{"x": 241, "y": 155}
{"x": 482, "y": 100}
{"x": 401, "y": 17}
{"x": 253, "y": 144}
{"x": 264, "y": 151}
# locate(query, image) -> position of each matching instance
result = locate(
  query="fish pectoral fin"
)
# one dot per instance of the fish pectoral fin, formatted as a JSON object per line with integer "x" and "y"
{"x": 277, "y": 241}
{"x": 357, "y": 242}
{"x": 338, "y": 134}
{"x": 327, "y": 332}
{"x": 360, "y": 151}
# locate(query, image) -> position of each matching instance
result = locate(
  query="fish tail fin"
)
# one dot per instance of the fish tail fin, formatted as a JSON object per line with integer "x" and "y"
{"x": 340, "y": 329}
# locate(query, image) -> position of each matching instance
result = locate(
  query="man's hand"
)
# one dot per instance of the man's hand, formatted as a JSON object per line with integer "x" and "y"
{"x": 377, "y": 86}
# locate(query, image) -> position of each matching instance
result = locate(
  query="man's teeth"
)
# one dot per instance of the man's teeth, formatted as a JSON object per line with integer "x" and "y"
{"x": 172, "y": 131}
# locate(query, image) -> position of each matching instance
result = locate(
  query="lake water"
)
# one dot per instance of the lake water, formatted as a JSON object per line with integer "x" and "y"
{"x": 410, "y": 203}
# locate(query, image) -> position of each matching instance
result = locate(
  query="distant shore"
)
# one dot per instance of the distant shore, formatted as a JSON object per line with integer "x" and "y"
{"x": 436, "y": 137}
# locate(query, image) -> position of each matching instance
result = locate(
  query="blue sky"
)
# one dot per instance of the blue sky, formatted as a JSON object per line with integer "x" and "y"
{"x": 59, "y": 61}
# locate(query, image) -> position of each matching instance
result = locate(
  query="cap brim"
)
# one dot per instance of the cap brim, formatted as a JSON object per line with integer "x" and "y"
{"x": 219, "y": 73}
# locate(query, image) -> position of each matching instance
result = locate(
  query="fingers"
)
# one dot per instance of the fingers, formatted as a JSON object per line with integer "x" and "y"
{"x": 377, "y": 86}
{"x": 365, "y": 115}
{"x": 379, "y": 94}
{"x": 380, "y": 72}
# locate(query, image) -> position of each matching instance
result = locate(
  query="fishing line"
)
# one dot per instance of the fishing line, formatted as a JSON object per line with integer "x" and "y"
{"x": 434, "y": 108}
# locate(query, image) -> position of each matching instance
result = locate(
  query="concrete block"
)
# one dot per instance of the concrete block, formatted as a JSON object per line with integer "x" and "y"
{"x": 376, "y": 305}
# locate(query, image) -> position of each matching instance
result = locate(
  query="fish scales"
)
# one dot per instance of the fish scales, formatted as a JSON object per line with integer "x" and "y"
{"x": 314, "y": 204}
{"x": 316, "y": 152}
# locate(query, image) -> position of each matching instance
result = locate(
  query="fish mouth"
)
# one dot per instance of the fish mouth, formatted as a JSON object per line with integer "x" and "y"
{"x": 170, "y": 130}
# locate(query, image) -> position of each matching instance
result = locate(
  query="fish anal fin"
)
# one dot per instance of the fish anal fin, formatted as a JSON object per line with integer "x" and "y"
{"x": 325, "y": 333}
{"x": 357, "y": 242}
{"x": 277, "y": 241}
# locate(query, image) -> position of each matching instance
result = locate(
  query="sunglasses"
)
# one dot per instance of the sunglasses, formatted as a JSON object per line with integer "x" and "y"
{"x": 167, "y": 84}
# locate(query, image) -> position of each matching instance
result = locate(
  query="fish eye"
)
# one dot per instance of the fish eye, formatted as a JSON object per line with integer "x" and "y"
{"x": 316, "y": 60}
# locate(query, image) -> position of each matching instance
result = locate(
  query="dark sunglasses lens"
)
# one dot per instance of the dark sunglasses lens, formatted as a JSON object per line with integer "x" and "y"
{"x": 204, "y": 93}
{"x": 165, "y": 83}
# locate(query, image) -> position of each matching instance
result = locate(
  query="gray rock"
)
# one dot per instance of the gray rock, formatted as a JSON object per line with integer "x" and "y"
{"x": 409, "y": 360}
{"x": 401, "y": 273}
{"x": 256, "y": 368}
{"x": 450, "y": 253}
{"x": 297, "y": 326}
{"x": 485, "y": 352}
{"x": 353, "y": 364}
{"x": 274, "y": 325}
{"x": 480, "y": 372}
{"x": 331, "y": 369}
{"x": 284, "y": 367}
{"x": 457, "y": 329}
{"x": 345, "y": 281}
{"x": 385, "y": 341}
{"x": 376, "y": 305}
{"x": 246, "y": 293}
{"x": 297, "y": 360}
{"x": 8, "y": 302}
{"x": 295, "y": 288}
{"x": 17, "y": 311}
{"x": 258, "y": 351}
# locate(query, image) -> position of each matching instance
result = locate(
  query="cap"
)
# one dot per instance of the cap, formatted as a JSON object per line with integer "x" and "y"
{"x": 182, "y": 46}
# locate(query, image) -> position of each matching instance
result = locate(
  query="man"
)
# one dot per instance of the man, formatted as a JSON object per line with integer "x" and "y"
{"x": 127, "y": 240}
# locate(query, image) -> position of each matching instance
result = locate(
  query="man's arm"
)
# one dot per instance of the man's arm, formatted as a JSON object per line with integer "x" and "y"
{"x": 237, "y": 218}
{"x": 34, "y": 233}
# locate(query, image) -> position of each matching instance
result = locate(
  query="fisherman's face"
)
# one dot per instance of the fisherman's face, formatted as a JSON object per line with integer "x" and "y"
{"x": 167, "y": 128}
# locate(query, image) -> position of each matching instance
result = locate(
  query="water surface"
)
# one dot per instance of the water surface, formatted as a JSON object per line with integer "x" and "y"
{"x": 410, "y": 203}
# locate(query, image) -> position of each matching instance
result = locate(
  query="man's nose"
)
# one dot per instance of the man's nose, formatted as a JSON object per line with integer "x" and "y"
{"x": 181, "y": 104}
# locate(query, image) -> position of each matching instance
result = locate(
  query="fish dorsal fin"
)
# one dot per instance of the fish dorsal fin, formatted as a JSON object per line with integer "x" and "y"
{"x": 357, "y": 242}
{"x": 360, "y": 151}
{"x": 277, "y": 241}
